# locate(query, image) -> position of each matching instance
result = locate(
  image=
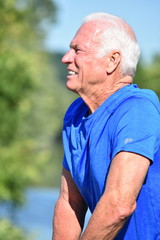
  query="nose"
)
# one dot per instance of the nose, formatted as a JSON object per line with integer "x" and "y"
{"x": 68, "y": 57}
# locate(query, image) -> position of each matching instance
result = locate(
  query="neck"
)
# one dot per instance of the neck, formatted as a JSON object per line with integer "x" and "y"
{"x": 95, "y": 99}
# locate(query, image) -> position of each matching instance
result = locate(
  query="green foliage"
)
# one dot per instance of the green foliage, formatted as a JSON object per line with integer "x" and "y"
{"x": 30, "y": 103}
{"x": 12, "y": 173}
{"x": 10, "y": 232}
{"x": 14, "y": 85}
{"x": 27, "y": 101}
{"x": 148, "y": 75}
{"x": 19, "y": 79}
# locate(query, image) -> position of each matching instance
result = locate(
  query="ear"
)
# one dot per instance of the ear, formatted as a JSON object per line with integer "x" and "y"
{"x": 113, "y": 60}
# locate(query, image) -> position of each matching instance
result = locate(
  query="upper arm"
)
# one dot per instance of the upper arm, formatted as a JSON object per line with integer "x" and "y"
{"x": 126, "y": 177}
{"x": 69, "y": 210}
{"x": 134, "y": 143}
{"x": 70, "y": 193}
{"x": 136, "y": 128}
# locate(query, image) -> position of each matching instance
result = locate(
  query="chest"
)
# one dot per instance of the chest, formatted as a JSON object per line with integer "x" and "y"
{"x": 90, "y": 149}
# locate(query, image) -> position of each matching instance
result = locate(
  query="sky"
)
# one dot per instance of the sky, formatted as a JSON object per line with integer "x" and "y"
{"x": 142, "y": 15}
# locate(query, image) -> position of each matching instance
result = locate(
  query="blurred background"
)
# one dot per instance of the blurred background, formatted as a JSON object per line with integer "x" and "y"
{"x": 34, "y": 35}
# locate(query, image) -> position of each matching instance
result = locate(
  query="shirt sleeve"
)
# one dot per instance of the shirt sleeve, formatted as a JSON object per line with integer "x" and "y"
{"x": 65, "y": 164}
{"x": 137, "y": 128}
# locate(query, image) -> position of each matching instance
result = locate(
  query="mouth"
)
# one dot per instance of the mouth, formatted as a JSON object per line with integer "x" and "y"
{"x": 71, "y": 73}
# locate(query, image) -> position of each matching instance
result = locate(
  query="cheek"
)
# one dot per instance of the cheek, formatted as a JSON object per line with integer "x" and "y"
{"x": 89, "y": 69}
{"x": 100, "y": 69}
{"x": 97, "y": 70}
{"x": 86, "y": 72}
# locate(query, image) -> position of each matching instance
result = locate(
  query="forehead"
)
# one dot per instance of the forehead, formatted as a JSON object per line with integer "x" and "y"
{"x": 85, "y": 35}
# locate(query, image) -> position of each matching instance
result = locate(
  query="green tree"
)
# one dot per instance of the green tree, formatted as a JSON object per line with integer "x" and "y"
{"x": 148, "y": 75}
{"x": 10, "y": 232}
{"x": 23, "y": 68}
{"x": 20, "y": 41}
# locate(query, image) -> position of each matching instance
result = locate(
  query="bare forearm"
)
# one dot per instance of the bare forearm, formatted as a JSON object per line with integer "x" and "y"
{"x": 65, "y": 223}
{"x": 98, "y": 231}
{"x": 105, "y": 223}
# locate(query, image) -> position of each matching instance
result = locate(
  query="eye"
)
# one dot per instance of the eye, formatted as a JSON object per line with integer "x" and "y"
{"x": 77, "y": 50}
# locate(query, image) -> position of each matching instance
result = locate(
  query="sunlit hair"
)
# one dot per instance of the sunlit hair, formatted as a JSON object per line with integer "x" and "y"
{"x": 115, "y": 34}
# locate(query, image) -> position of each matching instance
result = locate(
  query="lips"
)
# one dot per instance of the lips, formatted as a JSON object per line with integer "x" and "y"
{"x": 71, "y": 72}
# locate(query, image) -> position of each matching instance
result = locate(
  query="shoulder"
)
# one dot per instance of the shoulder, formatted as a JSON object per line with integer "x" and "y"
{"x": 137, "y": 98}
{"x": 131, "y": 95}
{"x": 138, "y": 107}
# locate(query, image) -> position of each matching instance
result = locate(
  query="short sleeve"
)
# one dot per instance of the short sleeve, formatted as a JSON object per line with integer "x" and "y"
{"x": 137, "y": 128}
{"x": 65, "y": 164}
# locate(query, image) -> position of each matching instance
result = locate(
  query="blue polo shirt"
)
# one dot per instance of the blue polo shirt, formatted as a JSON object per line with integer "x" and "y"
{"x": 129, "y": 120}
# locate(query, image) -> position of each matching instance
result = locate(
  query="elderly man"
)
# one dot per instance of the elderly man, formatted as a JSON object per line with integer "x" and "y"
{"x": 111, "y": 139}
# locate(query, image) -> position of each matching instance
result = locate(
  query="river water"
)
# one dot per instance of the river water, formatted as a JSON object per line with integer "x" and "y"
{"x": 35, "y": 216}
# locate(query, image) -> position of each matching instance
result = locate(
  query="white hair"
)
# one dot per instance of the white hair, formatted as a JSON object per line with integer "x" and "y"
{"x": 117, "y": 35}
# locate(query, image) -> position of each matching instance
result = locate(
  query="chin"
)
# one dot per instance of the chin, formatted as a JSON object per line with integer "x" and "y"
{"x": 71, "y": 87}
